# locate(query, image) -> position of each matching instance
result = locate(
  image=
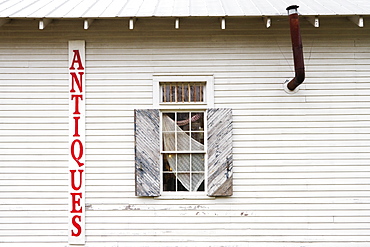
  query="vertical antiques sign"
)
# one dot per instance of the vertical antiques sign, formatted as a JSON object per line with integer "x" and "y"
{"x": 76, "y": 196}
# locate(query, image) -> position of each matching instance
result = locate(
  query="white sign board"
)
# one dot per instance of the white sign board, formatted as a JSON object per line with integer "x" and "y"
{"x": 76, "y": 89}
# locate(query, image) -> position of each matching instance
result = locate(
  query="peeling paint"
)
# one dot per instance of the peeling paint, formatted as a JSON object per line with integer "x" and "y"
{"x": 195, "y": 207}
{"x": 130, "y": 207}
{"x": 243, "y": 214}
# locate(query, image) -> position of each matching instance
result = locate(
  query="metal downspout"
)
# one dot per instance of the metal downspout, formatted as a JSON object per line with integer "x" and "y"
{"x": 295, "y": 34}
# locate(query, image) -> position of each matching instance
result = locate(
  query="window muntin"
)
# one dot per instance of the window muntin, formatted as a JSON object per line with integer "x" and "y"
{"x": 183, "y": 151}
{"x": 182, "y": 92}
{"x": 181, "y": 174}
{"x": 183, "y": 131}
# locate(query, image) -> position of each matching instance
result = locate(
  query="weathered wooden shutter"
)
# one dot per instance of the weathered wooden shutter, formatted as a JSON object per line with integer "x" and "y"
{"x": 220, "y": 159}
{"x": 147, "y": 152}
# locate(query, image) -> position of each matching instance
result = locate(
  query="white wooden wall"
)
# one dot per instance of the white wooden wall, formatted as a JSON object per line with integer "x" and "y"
{"x": 302, "y": 161}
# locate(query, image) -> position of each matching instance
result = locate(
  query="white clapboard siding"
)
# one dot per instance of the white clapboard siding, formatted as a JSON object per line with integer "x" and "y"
{"x": 301, "y": 161}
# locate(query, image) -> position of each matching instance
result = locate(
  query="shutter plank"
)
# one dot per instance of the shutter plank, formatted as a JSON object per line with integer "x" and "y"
{"x": 147, "y": 152}
{"x": 220, "y": 160}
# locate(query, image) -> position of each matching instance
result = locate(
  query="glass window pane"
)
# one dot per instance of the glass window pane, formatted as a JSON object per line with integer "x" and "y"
{"x": 197, "y": 93}
{"x": 183, "y": 132}
{"x": 192, "y": 94}
{"x": 201, "y": 187}
{"x": 201, "y": 98}
{"x": 165, "y": 93}
{"x": 183, "y": 120}
{"x": 196, "y": 180}
{"x": 169, "y": 162}
{"x": 179, "y": 93}
{"x": 169, "y": 141}
{"x": 197, "y": 121}
{"x": 168, "y": 120}
{"x": 197, "y": 162}
{"x": 197, "y": 142}
{"x": 172, "y": 93}
{"x": 183, "y": 162}
{"x": 169, "y": 182}
{"x": 183, "y": 181}
{"x": 185, "y": 87}
{"x": 189, "y": 92}
{"x": 183, "y": 141}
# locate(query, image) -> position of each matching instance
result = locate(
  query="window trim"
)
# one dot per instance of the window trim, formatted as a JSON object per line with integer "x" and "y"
{"x": 185, "y": 194}
{"x": 208, "y": 88}
{"x": 208, "y": 79}
{"x": 219, "y": 153}
{"x": 219, "y": 166}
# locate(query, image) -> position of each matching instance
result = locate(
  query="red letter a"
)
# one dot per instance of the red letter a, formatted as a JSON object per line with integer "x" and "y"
{"x": 76, "y": 59}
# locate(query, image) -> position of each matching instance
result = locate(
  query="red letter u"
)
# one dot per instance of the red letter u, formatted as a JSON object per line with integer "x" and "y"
{"x": 73, "y": 179}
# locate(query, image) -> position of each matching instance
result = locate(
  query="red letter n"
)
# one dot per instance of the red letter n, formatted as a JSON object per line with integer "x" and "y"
{"x": 75, "y": 80}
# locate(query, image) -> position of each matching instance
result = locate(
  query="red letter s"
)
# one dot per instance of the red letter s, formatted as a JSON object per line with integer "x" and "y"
{"x": 77, "y": 225}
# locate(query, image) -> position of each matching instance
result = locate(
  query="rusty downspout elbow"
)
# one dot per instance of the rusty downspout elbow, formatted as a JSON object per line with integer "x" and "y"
{"x": 295, "y": 34}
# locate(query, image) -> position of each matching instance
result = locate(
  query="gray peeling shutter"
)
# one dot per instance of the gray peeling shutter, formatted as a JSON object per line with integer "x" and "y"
{"x": 220, "y": 159}
{"x": 147, "y": 152}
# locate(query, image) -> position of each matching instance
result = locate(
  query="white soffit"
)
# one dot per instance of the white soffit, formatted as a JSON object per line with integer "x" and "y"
{"x": 175, "y": 8}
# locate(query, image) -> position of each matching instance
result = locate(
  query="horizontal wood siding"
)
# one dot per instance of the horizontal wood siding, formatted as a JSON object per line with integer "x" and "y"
{"x": 301, "y": 161}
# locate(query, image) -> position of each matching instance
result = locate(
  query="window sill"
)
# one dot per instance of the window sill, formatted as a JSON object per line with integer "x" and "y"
{"x": 183, "y": 197}
{"x": 182, "y": 103}
{"x": 181, "y": 106}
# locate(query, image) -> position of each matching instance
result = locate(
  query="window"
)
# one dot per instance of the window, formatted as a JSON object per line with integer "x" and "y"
{"x": 187, "y": 92}
{"x": 182, "y": 92}
{"x": 183, "y": 151}
{"x": 184, "y": 146}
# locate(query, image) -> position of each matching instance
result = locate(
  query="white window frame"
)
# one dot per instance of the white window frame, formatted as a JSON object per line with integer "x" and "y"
{"x": 208, "y": 102}
{"x": 186, "y": 193}
{"x": 208, "y": 89}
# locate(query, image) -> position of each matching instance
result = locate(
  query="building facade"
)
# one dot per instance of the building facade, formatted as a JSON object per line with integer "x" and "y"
{"x": 297, "y": 163}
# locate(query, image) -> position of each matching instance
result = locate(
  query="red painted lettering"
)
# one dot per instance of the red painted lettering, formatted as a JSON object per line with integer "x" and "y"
{"x": 80, "y": 147}
{"x": 77, "y": 106}
{"x": 76, "y": 126}
{"x": 73, "y": 179}
{"x": 76, "y": 156}
{"x": 76, "y": 202}
{"x": 76, "y": 81}
{"x": 76, "y": 59}
{"x": 77, "y": 225}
